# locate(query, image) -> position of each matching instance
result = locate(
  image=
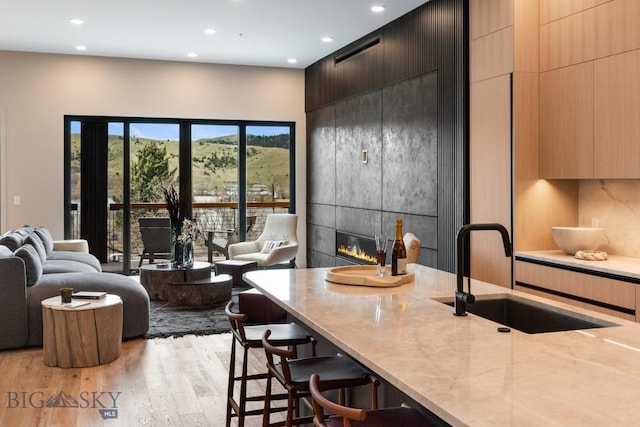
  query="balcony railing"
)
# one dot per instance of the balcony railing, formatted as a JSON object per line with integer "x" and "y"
{"x": 209, "y": 216}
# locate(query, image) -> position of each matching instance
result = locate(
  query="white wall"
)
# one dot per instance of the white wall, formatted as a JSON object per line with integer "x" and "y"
{"x": 37, "y": 90}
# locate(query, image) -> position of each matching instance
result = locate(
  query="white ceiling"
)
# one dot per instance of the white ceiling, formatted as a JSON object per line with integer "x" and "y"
{"x": 249, "y": 32}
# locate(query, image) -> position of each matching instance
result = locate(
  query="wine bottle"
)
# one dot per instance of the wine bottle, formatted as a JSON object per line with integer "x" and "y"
{"x": 399, "y": 253}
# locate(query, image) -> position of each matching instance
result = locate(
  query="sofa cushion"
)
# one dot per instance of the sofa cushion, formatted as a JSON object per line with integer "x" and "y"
{"x": 24, "y": 231}
{"x": 11, "y": 240}
{"x": 53, "y": 266}
{"x": 47, "y": 239}
{"x": 32, "y": 263}
{"x": 77, "y": 257}
{"x": 36, "y": 242}
{"x": 5, "y": 252}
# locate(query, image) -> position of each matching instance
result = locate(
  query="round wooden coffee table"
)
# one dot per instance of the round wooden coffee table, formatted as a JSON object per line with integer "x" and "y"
{"x": 78, "y": 337}
{"x": 156, "y": 277}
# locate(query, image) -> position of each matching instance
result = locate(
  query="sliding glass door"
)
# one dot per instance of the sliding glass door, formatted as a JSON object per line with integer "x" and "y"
{"x": 229, "y": 175}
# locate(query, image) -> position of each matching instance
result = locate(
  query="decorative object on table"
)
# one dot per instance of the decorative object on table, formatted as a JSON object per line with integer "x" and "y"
{"x": 381, "y": 247}
{"x": 188, "y": 233}
{"x": 591, "y": 255}
{"x": 65, "y": 295}
{"x": 90, "y": 294}
{"x": 183, "y": 229}
{"x": 574, "y": 239}
{"x": 366, "y": 275}
{"x": 399, "y": 253}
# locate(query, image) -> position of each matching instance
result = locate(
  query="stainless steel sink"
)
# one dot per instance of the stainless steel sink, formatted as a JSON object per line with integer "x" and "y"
{"x": 529, "y": 316}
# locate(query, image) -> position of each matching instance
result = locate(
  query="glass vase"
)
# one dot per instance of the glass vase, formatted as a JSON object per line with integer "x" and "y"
{"x": 187, "y": 254}
{"x": 177, "y": 251}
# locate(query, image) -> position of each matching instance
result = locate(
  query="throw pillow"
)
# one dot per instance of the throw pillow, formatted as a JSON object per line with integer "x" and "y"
{"x": 35, "y": 241}
{"x": 269, "y": 245}
{"x": 47, "y": 239}
{"x": 32, "y": 263}
{"x": 12, "y": 241}
{"x": 24, "y": 231}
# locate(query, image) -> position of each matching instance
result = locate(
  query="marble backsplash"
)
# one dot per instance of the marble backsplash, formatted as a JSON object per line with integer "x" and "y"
{"x": 614, "y": 205}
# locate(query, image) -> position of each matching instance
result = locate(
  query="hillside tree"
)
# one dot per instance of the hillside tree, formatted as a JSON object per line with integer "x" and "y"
{"x": 150, "y": 172}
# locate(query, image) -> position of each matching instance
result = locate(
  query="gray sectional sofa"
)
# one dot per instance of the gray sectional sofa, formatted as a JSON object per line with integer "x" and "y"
{"x": 32, "y": 269}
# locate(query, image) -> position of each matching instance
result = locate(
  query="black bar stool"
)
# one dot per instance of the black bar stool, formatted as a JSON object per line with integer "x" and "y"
{"x": 338, "y": 372}
{"x": 402, "y": 416}
{"x": 250, "y": 336}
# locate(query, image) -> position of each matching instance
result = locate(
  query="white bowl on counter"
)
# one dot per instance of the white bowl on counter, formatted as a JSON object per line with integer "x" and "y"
{"x": 574, "y": 239}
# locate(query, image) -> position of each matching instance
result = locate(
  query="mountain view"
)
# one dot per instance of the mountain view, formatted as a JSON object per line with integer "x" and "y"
{"x": 214, "y": 166}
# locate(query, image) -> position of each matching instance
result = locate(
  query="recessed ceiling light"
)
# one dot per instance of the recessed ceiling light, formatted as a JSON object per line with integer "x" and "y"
{"x": 192, "y": 55}
{"x": 210, "y": 31}
{"x": 76, "y": 21}
{"x": 377, "y": 9}
{"x": 327, "y": 39}
{"x": 292, "y": 60}
{"x": 81, "y": 48}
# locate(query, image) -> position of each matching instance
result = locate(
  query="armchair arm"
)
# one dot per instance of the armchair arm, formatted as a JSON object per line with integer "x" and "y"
{"x": 283, "y": 253}
{"x": 75, "y": 245}
{"x": 13, "y": 317}
{"x": 240, "y": 248}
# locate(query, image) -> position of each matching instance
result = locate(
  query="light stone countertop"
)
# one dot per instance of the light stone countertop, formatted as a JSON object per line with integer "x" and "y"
{"x": 461, "y": 368}
{"x": 615, "y": 264}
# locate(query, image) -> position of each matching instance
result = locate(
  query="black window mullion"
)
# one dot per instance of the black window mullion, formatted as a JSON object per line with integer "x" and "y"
{"x": 242, "y": 183}
{"x": 126, "y": 194}
{"x": 184, "y": 169}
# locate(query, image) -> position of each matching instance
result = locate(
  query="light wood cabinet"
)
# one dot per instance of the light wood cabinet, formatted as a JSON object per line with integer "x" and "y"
{"x": 602, "y": 294}
{"x": 589, "y": 89}
{"x": 566, "y": 122}
{"x": 617, "y": 113}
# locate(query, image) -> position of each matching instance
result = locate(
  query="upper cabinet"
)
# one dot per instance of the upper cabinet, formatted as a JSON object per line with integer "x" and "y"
{"x": 566, "y": 122}
{"x": 590, "y": 90}
{"x": 617, "y": 112}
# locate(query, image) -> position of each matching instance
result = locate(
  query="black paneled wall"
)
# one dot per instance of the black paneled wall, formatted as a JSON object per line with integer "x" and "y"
{"x": 402, "y": 100}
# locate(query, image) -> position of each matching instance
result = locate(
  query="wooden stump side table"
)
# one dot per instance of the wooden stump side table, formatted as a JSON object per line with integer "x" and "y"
{"x": 201, "y": 293}
{"x": 84, "y": 336}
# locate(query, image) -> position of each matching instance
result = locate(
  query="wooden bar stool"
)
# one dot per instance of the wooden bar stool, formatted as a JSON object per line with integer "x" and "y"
{"x": 402, "y": 416}
{"x": 285, "y": 334}
{"x": 338, "y": 372}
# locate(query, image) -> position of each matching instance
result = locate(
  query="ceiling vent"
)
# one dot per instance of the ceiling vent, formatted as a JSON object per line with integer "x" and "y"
{"x": 357, "y": 49}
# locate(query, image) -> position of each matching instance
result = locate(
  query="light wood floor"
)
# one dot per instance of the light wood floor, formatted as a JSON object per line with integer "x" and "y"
{"x": 159, "y": 382}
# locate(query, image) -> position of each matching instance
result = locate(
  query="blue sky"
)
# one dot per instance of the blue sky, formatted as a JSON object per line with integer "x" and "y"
{"x": 165, "y": 131}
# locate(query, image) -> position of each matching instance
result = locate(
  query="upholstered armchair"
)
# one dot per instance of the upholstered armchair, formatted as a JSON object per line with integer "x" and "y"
{"x": 277, "y": 244}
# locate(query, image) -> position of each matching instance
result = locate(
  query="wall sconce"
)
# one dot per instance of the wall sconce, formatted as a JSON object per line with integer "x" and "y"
{"x": 365, "y": 156}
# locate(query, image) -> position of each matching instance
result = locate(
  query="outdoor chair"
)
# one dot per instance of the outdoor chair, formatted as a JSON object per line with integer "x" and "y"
{"x": 227, "y": 237}
{"x": 156, "y": 238}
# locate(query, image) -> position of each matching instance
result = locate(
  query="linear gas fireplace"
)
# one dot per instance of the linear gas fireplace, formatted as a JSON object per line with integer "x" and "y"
{"x": 356, "y": 248}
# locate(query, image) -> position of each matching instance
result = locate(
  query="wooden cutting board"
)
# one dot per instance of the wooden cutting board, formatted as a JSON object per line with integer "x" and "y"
{"x": 365, "y": 275}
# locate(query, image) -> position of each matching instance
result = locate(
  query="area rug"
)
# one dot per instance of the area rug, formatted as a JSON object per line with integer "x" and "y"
{"x": 166, "y": 321}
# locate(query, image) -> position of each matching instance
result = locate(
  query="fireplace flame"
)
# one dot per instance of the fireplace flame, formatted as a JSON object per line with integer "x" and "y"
{"x": 359, "y": 254}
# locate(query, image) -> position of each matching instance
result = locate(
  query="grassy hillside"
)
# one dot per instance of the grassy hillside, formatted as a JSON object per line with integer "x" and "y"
{"x": 267, "y": 167}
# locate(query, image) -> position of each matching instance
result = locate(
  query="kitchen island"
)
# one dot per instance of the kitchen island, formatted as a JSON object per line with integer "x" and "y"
{"x": 461, "y": 368}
